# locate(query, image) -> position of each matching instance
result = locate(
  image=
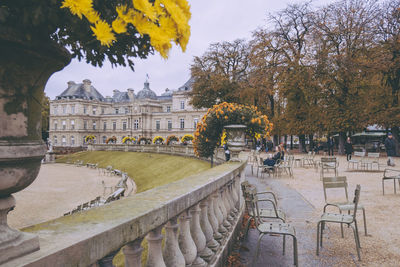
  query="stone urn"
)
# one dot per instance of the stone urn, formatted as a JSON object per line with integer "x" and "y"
{"x": 235, "y": 134}
{"x": 25, "y": 68}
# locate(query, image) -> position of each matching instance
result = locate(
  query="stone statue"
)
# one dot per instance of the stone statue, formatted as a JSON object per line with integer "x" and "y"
{"x": 49, "y": 145}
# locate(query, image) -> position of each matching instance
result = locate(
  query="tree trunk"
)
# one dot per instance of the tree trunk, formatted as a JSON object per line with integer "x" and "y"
{"x": 342, "y": 140}
{"x": 302, "y": 143}
{"x": 396, "y": 137}
{"x": 311, "y": 142}
{"x": 291, "y": 142}
{"x": 276, "y": 140}
{"x": 285, "y": 145}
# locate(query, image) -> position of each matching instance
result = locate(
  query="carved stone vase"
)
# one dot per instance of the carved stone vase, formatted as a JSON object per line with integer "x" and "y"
{"x": 25, "y": 67}
{"x": 235, "y": 134}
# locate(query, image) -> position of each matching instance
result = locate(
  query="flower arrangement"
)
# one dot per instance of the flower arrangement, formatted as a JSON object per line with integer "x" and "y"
{"x": 90, "y": 138}
{"x": 128, "y": 139}
{"x": 144, "y": 141}
{"x": 111, "y": 140}
{"x": 187, "y": 138}
{"x": 158, "y": 140}
{"x": 164, "y": 21}
{"x": 210, "y": 129}
{"x": 172, "y": 138}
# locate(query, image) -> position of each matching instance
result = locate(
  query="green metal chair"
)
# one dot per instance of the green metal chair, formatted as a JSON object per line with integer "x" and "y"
{"x": 390, "y": 174}
{"x": 269, "y": 228}
{"x": 349, "y": 219}
{"x": 266, "y": 213}
{"x": 337, "y": 183}
{"x": 329, "y": 163}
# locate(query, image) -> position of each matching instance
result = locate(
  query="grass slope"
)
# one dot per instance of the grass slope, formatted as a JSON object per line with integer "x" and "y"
{"x": 147, "y": 170}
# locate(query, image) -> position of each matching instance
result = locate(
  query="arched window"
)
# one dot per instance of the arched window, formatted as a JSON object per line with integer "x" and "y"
{"x": 63, "y": 140}
{"x": 55, "y": 140}
{"x": 72, "y": 140}
{"x": 104, "y": 139}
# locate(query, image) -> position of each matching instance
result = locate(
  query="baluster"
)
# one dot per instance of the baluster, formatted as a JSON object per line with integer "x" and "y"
{"x": 172, "y": 253}
{"x": 186, "y": 243}
{"x": 133, "y": 253}
{"x": 154, "y": 254}
{"x": 206, "y": 226}
{"x": 107, "y": 260}
{"x": 213, "y": 219}
{"x": 235, "y": 191}
{"x": 219, "y": 215}
{"x": 222, "y": 206}
{"x": 231, "y": 199}
{"x": 199, "y": 239}
{"x": 225, "y": 195}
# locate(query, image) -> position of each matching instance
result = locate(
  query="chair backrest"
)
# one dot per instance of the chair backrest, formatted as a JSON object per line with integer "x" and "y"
{"x": 335, "y": 182}
{"x": 355, "y": 200}
{"x": 328, "y": 159}
{"x": 373, "y": 155}
{"x": 359, "y": 154}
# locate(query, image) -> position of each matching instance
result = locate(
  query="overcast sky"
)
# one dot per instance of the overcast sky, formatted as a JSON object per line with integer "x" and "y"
{"x": 212, "y": 21}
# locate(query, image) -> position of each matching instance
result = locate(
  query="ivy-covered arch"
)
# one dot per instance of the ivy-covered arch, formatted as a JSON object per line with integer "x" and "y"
{"x": 209, "y": 130}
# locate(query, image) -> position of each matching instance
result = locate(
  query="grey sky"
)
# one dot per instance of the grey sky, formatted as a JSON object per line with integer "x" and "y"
{"x": 212, "y": 21}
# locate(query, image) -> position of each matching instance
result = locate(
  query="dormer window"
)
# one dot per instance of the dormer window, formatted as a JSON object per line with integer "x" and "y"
{"x": 182, "y": 104}
{"x": 116, "y": 111}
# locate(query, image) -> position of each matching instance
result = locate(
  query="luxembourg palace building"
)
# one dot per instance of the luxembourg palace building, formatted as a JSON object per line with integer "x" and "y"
{"x": 81, "y": 110}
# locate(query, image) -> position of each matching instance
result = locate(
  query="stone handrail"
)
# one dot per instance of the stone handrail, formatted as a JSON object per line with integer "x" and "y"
{"x": 205, "y": 207}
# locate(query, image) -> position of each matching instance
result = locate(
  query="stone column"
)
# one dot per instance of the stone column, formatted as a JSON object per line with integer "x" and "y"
{"x": 172, "y": 253}
{"x": 154, "y": 254}
{"x": 199, "y": 239}
{"x": 133, "y": 253}
{"x": 213, "y": 219}
{"x": 186, "y": 243}
{"x": 206, "y": 226}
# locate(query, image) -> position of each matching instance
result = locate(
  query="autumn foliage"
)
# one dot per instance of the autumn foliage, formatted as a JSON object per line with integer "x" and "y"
{"x": 209, "y": 130}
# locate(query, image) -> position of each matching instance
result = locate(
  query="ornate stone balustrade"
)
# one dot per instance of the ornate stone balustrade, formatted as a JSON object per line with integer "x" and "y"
{"x": 201, "y": 215}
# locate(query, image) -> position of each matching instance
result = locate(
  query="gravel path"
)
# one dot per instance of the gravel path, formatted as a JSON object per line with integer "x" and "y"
{"x": 59, "y": 188}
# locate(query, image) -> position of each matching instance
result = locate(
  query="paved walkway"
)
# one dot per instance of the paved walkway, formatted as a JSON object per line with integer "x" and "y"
{"x": 299, "y": 213}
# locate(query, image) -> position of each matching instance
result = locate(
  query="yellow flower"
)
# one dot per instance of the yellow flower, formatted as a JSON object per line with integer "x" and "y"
{"x": 103, "y": 33}
{"x": 92, "y": 16}
{"x": 119, "y": 26}
{"x": 78, "y": 7}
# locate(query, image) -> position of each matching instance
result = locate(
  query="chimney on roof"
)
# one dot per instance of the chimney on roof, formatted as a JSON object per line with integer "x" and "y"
{"x": 131, "y": 93}
{"x": 70, "y": 83}
{"x": 86, "y": 85}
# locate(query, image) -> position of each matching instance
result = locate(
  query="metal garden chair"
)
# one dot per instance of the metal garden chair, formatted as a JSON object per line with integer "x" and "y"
{"x": 337, "y": 183}
{"x": 349, "y": 219}
{"x": 390, "y": 174}
{"x": 329, "y": 163}
{"x": 269, "y": 228}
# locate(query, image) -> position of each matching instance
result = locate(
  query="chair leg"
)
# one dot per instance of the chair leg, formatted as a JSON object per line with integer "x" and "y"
{"x": 257, "y": 249}
{"x": 358, "y": 236}
{"x": 383, "y": 186}
{"x": 341, "y": 230}
{"x": 357, "y": 242}
{"x": 365, "y": 222}
{"x": 296, "y": 261}
{"x": 318, "y": 228}
{"x": 246, "y": 229}
{"x": 321, "y": 233}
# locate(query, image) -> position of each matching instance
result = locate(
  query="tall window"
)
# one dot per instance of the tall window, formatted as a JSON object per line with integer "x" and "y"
{"x": 182, "y": 104}
{"x": 94, "y": 110}
{"x": 104, "y": 126}
{"x": 168, "y": 108}
{"x": 126, "y": 110}
{"x": 114, "y": 125}
{"x": 72, "y": 124}
{"x": 63, "y": 140}
{"x": 84, "y": 109}
{"x": 94, "y": 125}
{"x": 64, "y": 109}
{"x": 72, "y": 140}
{"x": 157, "y": 125}
{"x": 124, "y": 125}
{"x": 72, "y": 109}
{"x": 169, "y": 125}
{"x": 116, "y": 111}
{"x": 136, "y": 125}
{"x": 182, "y": 124}
{"x": 195, "y": 121}
{"x": 102, "y": 110}
{"x": 85, "y": 125}
{"x": 55, "y": 139}
{"x": 55, "y": 125}
{"x": 55, "y": 110}
{"x": 64, "y": 125}
{"x": 104, "y": 139}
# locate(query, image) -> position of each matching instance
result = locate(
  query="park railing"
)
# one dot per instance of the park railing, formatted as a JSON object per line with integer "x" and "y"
{"x": 200, "y": 214}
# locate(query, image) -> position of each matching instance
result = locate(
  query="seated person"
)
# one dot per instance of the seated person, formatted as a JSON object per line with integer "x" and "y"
{"x": 277, "y": 156}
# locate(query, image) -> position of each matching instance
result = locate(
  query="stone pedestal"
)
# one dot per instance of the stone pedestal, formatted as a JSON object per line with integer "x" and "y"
{"x": 50, "y": 157}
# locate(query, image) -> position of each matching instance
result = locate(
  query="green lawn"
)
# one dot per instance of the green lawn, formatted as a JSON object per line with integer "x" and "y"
{"x": 147, "y": 170}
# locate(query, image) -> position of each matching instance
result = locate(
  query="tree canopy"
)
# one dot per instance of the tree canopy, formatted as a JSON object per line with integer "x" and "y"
{"x": 96, "y": 30}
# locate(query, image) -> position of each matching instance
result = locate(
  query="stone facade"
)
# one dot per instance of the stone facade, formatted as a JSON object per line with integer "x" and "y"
{"x": 81, "y": 110}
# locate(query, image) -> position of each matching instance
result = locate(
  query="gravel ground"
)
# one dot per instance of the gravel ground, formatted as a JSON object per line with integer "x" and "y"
{"x": 59, "y": 188}
{"x": 382, "y": 245}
